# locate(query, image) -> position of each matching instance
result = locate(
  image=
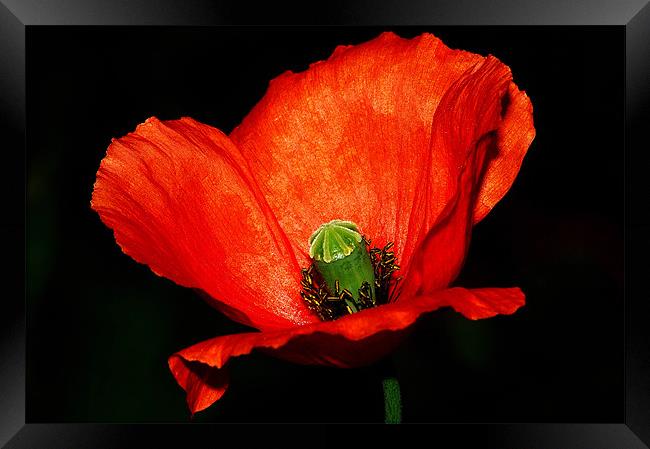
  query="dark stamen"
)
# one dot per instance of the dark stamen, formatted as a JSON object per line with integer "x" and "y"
{"x": 331, "y": 305}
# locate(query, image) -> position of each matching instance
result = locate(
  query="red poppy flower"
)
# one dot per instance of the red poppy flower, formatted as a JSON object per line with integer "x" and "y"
{"x": 412, "y": 141}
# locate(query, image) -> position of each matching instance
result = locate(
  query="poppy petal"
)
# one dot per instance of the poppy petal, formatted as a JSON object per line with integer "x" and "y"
{"x": 351, "y": 138}
{"x": 203, "y": 384}
{"x": 354, "y": 340}
{"x": 468, "y": 146}
{"x": 487, "y": 302}
{"x": 514, "y": 136}
{"x": 179, "y": 200}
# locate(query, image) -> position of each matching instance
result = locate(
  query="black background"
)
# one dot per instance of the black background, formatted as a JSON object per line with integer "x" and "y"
{"x": 100, "y": 326}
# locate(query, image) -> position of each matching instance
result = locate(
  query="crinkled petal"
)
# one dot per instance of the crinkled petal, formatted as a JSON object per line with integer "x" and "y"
{"x": 514, "y": 136}
{"x": 351, "y": 138}
{"x": 351, "y": 341}
{"x": 179, "y": 199}
{"x": 466, "y": 147}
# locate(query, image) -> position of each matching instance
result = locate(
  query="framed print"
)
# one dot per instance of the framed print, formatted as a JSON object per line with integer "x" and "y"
{"x": 341, "y": 216}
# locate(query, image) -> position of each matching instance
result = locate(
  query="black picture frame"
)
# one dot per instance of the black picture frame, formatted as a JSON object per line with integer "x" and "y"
{"x": 16, "y": 16}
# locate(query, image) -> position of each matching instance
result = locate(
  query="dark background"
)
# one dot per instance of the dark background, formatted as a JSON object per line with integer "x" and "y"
{"x": 100, "y": 326}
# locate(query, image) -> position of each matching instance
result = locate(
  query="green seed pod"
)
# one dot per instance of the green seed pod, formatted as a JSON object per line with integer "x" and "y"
{"x": 340, "y": 254}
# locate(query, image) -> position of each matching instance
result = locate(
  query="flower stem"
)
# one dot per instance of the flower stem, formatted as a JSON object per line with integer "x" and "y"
{"x": 392, "y": 401}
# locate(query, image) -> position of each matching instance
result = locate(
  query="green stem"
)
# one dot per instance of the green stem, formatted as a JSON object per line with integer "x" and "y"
{"x": 392, "y": 401}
